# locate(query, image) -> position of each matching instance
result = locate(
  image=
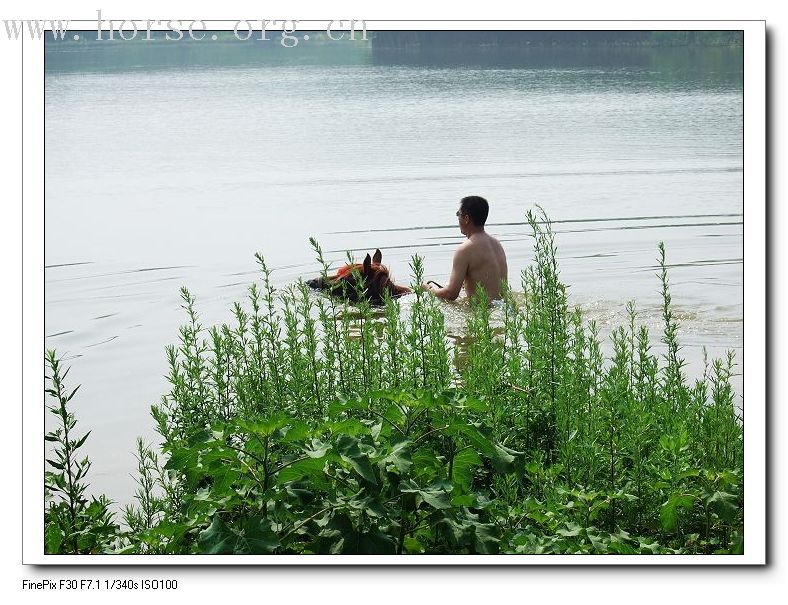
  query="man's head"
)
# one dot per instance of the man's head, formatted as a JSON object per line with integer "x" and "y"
{"x": 474, "y": 210}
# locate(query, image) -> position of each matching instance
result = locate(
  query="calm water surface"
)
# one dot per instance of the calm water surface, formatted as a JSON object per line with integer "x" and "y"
{"x": 167, "y": 175}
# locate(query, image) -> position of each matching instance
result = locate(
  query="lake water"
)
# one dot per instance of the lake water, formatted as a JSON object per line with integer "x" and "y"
{"x": 170, "y": 167}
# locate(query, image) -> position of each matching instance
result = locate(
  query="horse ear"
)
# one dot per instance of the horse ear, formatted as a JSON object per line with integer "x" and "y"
{"x": 367, "y": 265}
{"x": 377, "y": 257}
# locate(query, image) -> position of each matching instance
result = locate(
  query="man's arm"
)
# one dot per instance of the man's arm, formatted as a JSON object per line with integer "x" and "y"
{"x": 459, "y": 270}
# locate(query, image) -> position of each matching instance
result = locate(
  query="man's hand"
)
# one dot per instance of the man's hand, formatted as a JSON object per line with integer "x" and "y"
{"x": 426, "y": 287}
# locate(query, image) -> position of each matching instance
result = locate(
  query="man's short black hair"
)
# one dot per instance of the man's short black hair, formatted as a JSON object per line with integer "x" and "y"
{"x": 475, "y": 207}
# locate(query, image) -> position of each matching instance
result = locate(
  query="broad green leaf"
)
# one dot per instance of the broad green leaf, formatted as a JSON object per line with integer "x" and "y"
{"x": 652, "y": 547}
{"x": 200, "y": 437}
{"x": 311, "y": 468}
{"x": 218, "y": 456}
{"x": 474, "y": 436}
{"x": 297, "y": 431}
{"x": 348, "y": 448}
{"x": 413, "y": 546}
{"x": 724, "y": 504}
{"x": 464, "y": 463}
{"x": 253, "y": 537}
{"x": 436, "y": 498}
{"x": 265, "y": 427}
{"x": 669, "y": 512}
{"x": 395, "y": 415}
{"x": 470, "y": 403}
{"x": 502, "y": 459}
{"x": 417, "y": 401}
{"x": 436, "y": 495}
{"x": 258, "y": 538}
{"x": 376, "y": 542}
{"x": 337, "y": 408}
{"x": 180, "y": 459}
{"x": 738, "y": 543}
{"x": 350, "y": 427}
{"x": 600, "y": 542}
{"x": 485, "y": 540}
{"x": 539, "y": 516}
{"x": 53, "y": 538}
{"x": 317, "y": 449}
{"x": 169, "y": 529}
{"x": 621, "y": 548}
{"x": 572, "y": 530}
{"x": 301, "y": 491}
{"x": 399, "y": 457}
{"x": 687, "y": 474}
{"x": 217, "y": 539}
{"x": 370, "y": 505}
{"x": 223, "y": 478}
{"x": 468, "y": 500}
{"x": 426, "y": 466}
{"x": 728, "y": 478}
{"x": 451, "y": 531}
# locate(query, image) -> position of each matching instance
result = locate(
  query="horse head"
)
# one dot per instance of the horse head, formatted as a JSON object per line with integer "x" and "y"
{"x": 370, "y": 280}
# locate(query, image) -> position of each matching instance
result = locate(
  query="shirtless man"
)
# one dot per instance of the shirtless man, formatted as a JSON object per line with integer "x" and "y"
{"x": 478, "y": 260}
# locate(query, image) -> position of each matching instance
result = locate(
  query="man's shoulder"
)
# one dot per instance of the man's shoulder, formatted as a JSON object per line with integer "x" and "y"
{"x": 464, "y": 251}
{"x": 494, "y": 241}
{"x": 465, "y": 245}
{"x": 485, "y": 239}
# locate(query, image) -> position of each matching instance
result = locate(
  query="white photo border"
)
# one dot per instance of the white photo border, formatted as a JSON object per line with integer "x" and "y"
{"x": 753, "y": 363}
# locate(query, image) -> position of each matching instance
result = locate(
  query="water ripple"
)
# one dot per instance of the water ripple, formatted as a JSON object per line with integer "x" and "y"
{"x": 501, "y": 175}
{"x": 560, "y": 222}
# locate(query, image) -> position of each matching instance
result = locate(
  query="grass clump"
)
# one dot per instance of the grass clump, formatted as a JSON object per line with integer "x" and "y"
{"x": 72, "y": 524}
{"x": 309, "y": 426}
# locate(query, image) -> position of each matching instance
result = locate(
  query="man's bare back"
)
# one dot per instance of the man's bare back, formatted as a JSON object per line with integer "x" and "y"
{"x": 485, "y": 263}
{"x": 480, "y": 260}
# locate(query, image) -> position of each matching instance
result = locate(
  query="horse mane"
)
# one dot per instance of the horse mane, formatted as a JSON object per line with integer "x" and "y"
{"x": 347, "y": 270}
